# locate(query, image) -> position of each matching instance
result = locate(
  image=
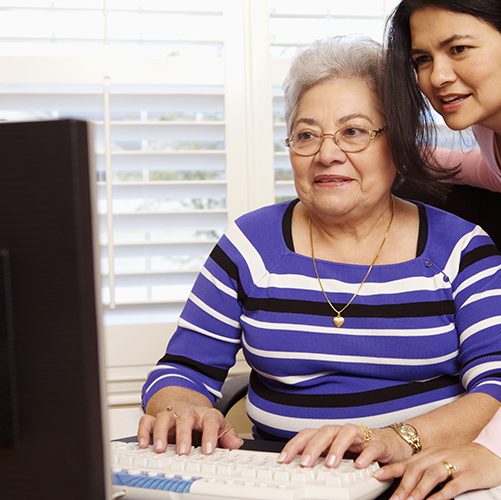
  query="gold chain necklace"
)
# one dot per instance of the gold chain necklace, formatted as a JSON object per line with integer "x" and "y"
{"x": 339, "y": 320}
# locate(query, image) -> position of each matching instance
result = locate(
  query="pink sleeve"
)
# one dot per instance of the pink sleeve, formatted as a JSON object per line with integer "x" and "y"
{"x": 490, "y": 437}
{"x": 474, "y": 170}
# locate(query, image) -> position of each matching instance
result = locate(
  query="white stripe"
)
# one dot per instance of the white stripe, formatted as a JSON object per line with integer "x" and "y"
{"x": 186, "y": 324}
{"x": 294, "y": 379}
{"x": 295, "y": 424}
{"x": 218, "y": 284}
{"x": 452, "y": 267}
{"x": 264, "y": 279}
{"x": 469, "y": 375}
{"x": 486, "y": 273}
{"x": 425, "y": 332}
{"x": 488, "y": 382}
{"x": 334, "y": 358}
{"x": 215, "y": 314}
{"x": 481, "y": 296}
{"x": 167, "y": 376}
{"x": 481, "y": 325}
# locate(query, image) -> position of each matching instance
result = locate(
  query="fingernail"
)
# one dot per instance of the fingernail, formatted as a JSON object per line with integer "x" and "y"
{"x": 208, "y": 448}
{"x": 305, "y": 461}
{"x": 282, "y": 457}
{"x": 159, "y": 444}
{"x": 378, "y": 474}
{"x": 142, "y": 443}
{"x": 362, "y": 463}
{"x": 182, "y": 449}
{"x": 330, "y": 460}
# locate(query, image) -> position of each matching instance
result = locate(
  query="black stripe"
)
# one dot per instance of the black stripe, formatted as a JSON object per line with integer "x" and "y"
{"x": 209, "y": 371}
{"x": 353, "y": 399}
{"x": 423, "y": 230}
{"x": 487, "y": 355}
{"x": 413, "y": 309}
{"x": 220, "y": 257}
{"x": 477, "y": 255}
{"x": 287, "y": 225}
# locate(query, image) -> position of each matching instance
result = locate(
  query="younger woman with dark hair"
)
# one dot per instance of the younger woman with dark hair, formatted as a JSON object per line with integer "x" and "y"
{"x": 447, "y": 53}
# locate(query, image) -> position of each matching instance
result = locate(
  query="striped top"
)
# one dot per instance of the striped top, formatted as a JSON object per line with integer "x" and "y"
{"x": 418, "y": 335}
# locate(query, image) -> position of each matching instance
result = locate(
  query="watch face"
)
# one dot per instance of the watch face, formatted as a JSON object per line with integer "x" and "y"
{"x": 407, "y": 430}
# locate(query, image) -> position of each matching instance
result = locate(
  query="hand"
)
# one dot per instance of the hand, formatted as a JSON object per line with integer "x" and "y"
{"x": 209, "y": 421}
{"x": 334, "y": 440}
{"x": 476, "y": 468}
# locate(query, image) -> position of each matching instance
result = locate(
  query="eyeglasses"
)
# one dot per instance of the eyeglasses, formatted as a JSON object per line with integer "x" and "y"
{"x": 350, "y": 139}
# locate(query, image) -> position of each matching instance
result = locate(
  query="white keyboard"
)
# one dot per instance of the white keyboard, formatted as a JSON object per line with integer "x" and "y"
{"x": 237, "y": 474}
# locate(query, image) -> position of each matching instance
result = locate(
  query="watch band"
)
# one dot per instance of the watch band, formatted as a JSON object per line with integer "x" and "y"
{"x": 409, "y": 434}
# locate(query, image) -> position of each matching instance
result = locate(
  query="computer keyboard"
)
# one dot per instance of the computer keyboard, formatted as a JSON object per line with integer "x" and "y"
{"x": 142, "y": 474}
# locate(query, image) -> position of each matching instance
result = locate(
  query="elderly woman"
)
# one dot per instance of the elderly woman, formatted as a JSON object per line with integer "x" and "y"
{"x": 350, "y": 305}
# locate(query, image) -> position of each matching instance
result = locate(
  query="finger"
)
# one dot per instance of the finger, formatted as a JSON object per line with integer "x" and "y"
{"x": 144, "y": 430}
{"x": 185, "y": 424}
{"x": 349, "y": 437}
{"x": 230, "y": 440}
{"x": 213, "y": 425}
{"x": 296, "y": 445}
{"x": 164, "y": 422}
{"x": 319, "y": 442}
{"x": 390, "y": 471}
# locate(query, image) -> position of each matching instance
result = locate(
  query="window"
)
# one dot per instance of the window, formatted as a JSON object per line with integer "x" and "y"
{"x": 186, "y": 104}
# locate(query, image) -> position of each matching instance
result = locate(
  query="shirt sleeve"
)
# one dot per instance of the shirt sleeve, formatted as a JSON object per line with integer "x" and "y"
{"x": 207, "y": 339}
{"x": 490, "y": 437}
{"x": 475, "y": 171}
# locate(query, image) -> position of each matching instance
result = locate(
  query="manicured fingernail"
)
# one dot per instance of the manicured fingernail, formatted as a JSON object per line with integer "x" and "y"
{"x": 305, "y": 461}
{"x": 282, "y": 457}
{"x": 142, "y": 443}
{"x": 208, "y": 448}
{"x": 159, "y": 444}
{"x": 361, "y": 463}
{"x": 182, "y": 449}
{"x": 378, "y": 474}
{"x": 330, "y": 460}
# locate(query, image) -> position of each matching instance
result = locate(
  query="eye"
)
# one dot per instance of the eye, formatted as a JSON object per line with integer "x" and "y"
{"x": 353, "y": 132}
{"x": 459, "y": 49}
{"x": 420, "y": 60}
{"x": 305, "y": 136}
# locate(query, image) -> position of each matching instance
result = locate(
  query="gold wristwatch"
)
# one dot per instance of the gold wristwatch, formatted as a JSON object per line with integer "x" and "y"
{"x": 409, "y": 434}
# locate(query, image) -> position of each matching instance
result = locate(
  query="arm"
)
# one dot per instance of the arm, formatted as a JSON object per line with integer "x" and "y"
{"x": 190, "y": 375}
{"x": 475, "y": 286}
{"x": 438, "y": 428}
{"x": 474, "y": 170}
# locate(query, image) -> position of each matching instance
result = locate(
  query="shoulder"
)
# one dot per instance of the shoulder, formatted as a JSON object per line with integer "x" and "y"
{"x": 259, "y": 231}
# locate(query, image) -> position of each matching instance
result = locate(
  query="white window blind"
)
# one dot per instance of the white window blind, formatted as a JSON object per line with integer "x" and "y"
{"x": 187, "y": 107}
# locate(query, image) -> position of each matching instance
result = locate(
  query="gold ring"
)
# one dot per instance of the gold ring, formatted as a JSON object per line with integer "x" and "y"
{"x": 450, "y": 468}
{"x": 169, "y": 408}
{"x": 367, "y": 433}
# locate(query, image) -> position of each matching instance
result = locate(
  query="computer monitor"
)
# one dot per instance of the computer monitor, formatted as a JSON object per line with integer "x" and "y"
{"x": 53, "y": 435}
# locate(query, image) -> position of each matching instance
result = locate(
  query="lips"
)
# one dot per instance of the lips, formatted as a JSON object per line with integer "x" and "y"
{"x": 450, "y": 102}
{"x": 329, "y": 179}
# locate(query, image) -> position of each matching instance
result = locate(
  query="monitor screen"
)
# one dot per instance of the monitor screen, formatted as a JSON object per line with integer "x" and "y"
{"x": 53, "y": 436}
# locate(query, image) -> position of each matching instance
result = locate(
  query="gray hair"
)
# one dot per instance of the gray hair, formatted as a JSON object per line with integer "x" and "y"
{"x": 357, "y": 57}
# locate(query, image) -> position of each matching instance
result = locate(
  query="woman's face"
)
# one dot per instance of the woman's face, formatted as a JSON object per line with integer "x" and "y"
{"x": 333, "y": 182}
{"x": 458, "y": 60}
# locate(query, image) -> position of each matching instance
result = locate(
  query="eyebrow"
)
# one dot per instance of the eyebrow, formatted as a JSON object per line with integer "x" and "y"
{"x": 444, "y": 43}
{"x": 343, "y": 120}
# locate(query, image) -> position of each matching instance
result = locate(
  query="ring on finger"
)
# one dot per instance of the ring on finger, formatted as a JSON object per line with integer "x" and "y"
{"x": 367, "y": 433}
{"x": 174, "y": 414}
{"x": 450, "y": 468}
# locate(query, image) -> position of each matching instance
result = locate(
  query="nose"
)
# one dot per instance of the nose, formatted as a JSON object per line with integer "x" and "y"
{"x": 442, "y": 72}
{"x": 329, "y": 151}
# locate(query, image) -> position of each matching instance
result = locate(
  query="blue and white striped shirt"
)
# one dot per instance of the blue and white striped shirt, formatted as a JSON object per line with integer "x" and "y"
{"x": 418, "y": 335}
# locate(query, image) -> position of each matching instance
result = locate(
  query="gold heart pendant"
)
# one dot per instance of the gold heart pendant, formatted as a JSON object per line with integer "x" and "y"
{"x": 338, "y": 321}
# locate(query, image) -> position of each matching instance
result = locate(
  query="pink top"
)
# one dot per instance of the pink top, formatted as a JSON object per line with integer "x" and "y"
{"x": 479, "y": 167}
{"x": 490, "y": 437}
